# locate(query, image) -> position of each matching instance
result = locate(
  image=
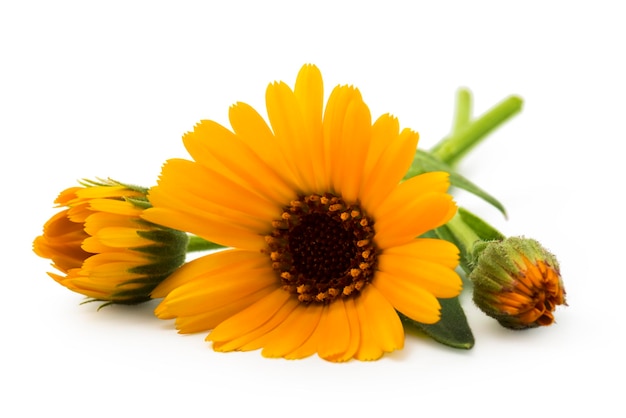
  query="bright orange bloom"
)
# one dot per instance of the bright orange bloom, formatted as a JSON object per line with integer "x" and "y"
{"x": 323, "y": 231}
{"x": 102, "y": 247}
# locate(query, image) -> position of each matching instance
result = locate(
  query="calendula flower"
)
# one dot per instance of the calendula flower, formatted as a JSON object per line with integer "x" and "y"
{"x": 517, "y": 282}
{"x": 102, "y": 247}
{"x": 323, "y": 234}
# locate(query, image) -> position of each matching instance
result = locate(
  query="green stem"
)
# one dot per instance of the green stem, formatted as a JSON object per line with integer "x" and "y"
{"x": 466, "y": 135}
{"x": 463, "y": 113}
{"x": 200, "y": 244}
{"x": 464, "y": 235}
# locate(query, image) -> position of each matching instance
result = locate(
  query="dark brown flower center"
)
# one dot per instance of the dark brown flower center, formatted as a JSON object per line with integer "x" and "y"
{"x": 322, "y": 248}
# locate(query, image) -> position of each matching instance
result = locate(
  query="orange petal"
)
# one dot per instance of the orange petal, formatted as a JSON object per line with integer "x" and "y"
{"x": 249, "y": 319}
{"x": 220, "y": 150}
{"x": 429, "y": 249}
{"x": 217, "y": 263}
{"x": 409, "y": 190}
{"x": 355, "y": 333}
{"x": 383, "y": 320}
{"x": 386, "y": 174}
{"x": 335, "y": 330}
{"x": 441, "y": 281}
{"x": 213, "y": 315}
{"x": 252, "y": 129}
{"x": 293, "y": 331}
{"x": 408, "y": 298}
{"x": 309, "y": 92}
{"x": 412, "y": 219}
{"x": 289, "y": 127}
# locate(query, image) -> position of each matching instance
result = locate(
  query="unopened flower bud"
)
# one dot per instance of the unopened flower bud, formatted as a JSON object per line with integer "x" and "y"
{"x": 517, "y": 282}
{"x": 102, "y": 247}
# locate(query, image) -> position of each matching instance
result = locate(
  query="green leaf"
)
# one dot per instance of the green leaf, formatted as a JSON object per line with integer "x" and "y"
{"x": 485, "y": 231}
{"x": 423, "y": 162}
{"x": 451, "y": 330}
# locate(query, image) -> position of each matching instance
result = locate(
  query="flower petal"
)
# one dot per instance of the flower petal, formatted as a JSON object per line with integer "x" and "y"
{"x": 255, "y": 339}
{"x": 414, "y": 218}
{"x": 309, "y": 92}
{"x": 289, "y": 128}
{"x": 293, "y": 331}
{"x": 384, "y": 131}
{"x": 217, "y": 148}
{"x": 411, "y": 189}
{"x": 335, "y": 330}
{"x": 429, "y": 249}
{"x": 381, "y": 326}
{"x": 220, "y": 262}
{"x": 355, "y": 334}
{"x": 215, "y": 291}
{"x": 394, "y": 162}
{"x": 348, "y": 131}
{"x": 408, "y": 297}
{"x": 212, "y": 315}
{"x": 253, "y": 130}
{"x": 249, "y": 320}
{"x": 441, "y": 281}
{"x": 210, "y": 227}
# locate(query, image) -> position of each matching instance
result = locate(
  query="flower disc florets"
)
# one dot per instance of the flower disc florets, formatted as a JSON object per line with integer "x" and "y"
{"x": 322, "y": 248}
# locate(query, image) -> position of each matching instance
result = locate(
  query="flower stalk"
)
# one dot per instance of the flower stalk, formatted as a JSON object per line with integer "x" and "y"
{"x": 467, "y": 133}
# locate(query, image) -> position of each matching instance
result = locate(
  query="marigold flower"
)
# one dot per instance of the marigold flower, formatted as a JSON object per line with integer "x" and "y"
{"x": 517, "y": 282}
{"x": 323, "y": 233}
{"x": 102, "y": 246}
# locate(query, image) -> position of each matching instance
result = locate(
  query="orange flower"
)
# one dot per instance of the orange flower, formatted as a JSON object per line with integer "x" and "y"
{"x": 323, "y": 231}
{"x": 102, "y": 247}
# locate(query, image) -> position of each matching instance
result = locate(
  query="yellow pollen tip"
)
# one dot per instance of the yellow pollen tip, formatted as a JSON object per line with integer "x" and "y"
{"x": 344, "y": 216}
{"x": 363, "y": 242}
{"x": 355, "y": 272}
{"x": 285, "y": 275}
{"x": 279, "y": 224}
{"x": 355, "y": 213}
{"x": 335, "y": 207}
{"x": 324, "y": 200}
{"x": 365, "y": 254}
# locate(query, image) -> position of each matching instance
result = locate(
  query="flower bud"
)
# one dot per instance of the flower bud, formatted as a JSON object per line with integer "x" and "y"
{"x": 102, "y": 247}
{"x": 517, "y": 282}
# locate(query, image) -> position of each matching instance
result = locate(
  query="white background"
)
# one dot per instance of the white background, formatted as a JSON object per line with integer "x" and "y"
{"x": 97, "y": 89}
